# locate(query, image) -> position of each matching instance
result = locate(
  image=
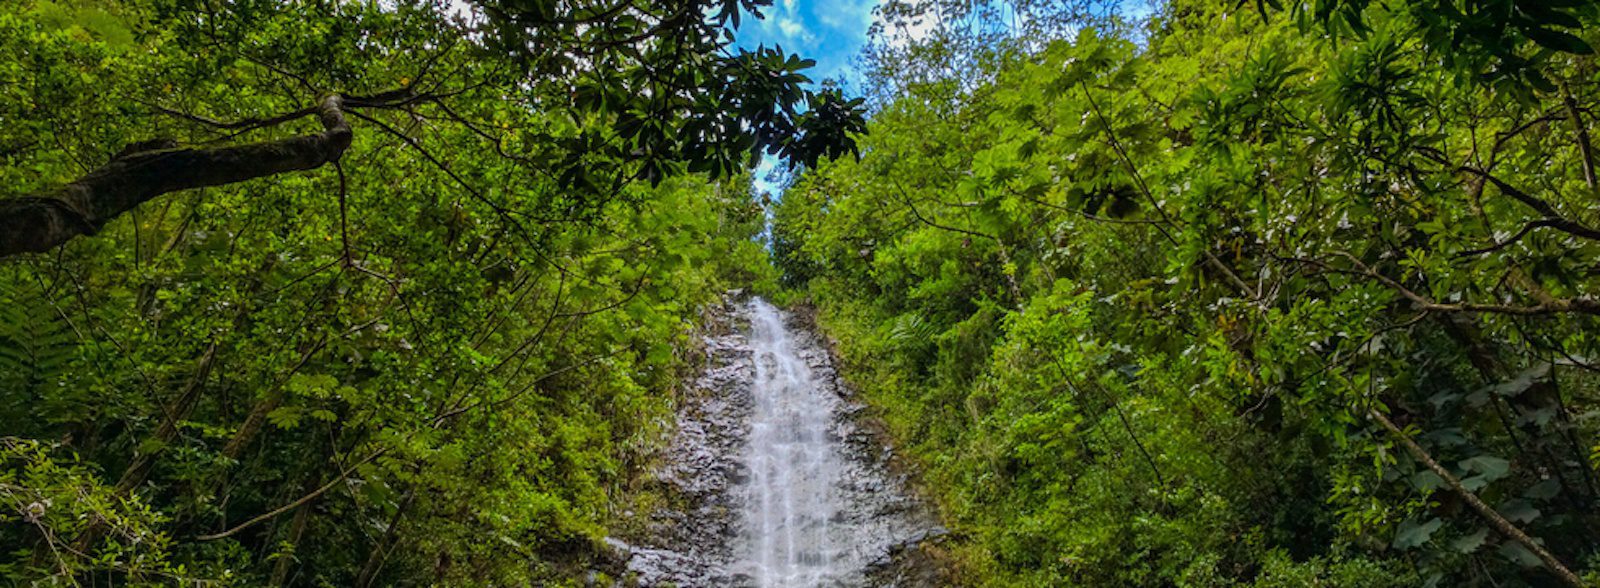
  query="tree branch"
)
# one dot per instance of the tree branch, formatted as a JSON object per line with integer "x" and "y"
{"x": 1526, "y": 228}
{"x": 291, "y": 506}
{"x": 1485, "y": 511}
{"x": 918, "y": 214}
{"x": 1167, "y": 220}
{"x": 1553, "y": 218}
{"x": 38, "y": 223}
{"x": 1579, "y": 305}
{"x": 1585, "y": 150}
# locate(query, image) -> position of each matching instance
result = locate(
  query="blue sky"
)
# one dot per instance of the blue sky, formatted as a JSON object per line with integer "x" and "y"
{"x": 829, "y": 31}
{"x": 833, "y": 33}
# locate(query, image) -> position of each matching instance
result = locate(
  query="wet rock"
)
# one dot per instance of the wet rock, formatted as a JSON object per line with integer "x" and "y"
{"x": 877, "y": 531}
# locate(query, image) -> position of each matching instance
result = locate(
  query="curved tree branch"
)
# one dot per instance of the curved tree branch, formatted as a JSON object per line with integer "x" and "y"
{"x": 1488, "y": 513}
{"x": 1575, "y": 305}
{"x": 297, "y": 503}
{"x": 144, "y": 171}
{"x": 1526, "y": 228}
{"x": 1552, "y": 217}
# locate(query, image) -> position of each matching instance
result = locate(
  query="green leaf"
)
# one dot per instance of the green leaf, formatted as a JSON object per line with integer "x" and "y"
{"x": 1558, "y": 40}
{"x": 149, "y": 446}
{"x": 1519, "y": 510}
{"x": 1412, "y": 535}
{"x": 1426, "y": 481}
{"x": 1524, "y": 380}
{"x": 1516, "y": 553}
{"x": 285, "y": 417}
{"x": 1474, "y": 483}
{"x": 1543, "y": 490}
{"x": 1492, "y": 468}
{"x": 1470, "y": 542}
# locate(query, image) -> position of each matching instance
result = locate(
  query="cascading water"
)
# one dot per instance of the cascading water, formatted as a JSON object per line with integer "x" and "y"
{"x": 794, "y": 465}
{"x": 780, "y": 485}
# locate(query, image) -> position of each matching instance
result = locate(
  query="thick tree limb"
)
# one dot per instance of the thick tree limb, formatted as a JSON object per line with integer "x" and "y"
{"x": 144, "y": 171}
{"x": 1488, "y": 513}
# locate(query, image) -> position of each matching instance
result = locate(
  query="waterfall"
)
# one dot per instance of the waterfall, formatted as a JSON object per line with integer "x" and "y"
{"x": 794, "y": 463}
{"x": 780, "y": 484}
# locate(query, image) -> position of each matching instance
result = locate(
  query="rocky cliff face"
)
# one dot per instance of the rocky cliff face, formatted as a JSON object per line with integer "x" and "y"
{"x": 858, "y": 525}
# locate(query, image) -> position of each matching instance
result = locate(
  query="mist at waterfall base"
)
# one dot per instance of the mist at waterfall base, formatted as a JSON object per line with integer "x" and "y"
{"x": 783, "y": 485}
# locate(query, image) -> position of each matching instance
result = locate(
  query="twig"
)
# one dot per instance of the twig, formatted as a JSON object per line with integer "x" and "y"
{"x": 344, "y": 230}
{"x": 1526, "y": 228}
{"x": 914, "y": 212}
{"x": 1584, "y": 305}
{"x": 291, "y": 506}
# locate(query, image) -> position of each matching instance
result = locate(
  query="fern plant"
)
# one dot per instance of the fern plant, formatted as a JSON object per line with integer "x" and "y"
{"x": 37, "y": 345}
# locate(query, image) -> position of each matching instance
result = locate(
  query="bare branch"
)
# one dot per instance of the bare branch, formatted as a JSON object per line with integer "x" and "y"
{"x": 1553, "y": 217}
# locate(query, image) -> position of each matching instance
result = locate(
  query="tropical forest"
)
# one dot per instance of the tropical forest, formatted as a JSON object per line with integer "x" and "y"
{"x": 800, "y": 293}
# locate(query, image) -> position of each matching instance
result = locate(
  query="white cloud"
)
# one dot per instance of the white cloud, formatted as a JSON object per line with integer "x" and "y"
{"x": 791, "y": 28}
{"x": 851, "y": 17}
{"x": 789, "y": 24}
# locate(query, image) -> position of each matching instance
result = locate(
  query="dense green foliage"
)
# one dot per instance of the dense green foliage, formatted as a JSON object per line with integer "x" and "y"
{"x": 443, "y": 361}
{"x": 1272, "y": 293}
{"x": 1140, "y": 301}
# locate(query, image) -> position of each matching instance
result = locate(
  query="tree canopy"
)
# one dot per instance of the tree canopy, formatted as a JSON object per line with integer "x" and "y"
{"x": 375, "y": 290}
{"x": 638, "y": 89}
{"x": 1168, "y": 293}
{"x": 1262, "y": 293}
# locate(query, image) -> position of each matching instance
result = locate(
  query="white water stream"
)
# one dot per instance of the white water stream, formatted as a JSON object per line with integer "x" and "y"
{"x": 794, "y": 465}
{"x": 781, "y": 485}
